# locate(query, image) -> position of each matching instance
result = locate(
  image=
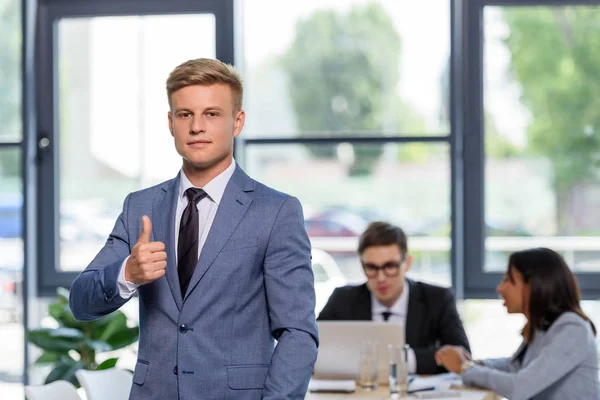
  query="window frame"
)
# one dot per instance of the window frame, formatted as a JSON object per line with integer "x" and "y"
{"x": 478, "y": 283}
{"x": 454, "y": 140}
{"x": 465, "y": 139}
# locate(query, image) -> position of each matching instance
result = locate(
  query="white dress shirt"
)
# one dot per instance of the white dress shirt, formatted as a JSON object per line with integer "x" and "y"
{"x": 399, "y": 310}
{"x": 207, "y": 209}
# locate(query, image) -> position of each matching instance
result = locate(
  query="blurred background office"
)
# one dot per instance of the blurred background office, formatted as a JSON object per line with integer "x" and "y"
{"x": 474, "y": 125}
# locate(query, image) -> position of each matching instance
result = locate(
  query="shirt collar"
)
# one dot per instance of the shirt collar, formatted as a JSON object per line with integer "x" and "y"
{"x": 214, "y": 189}
{"x": 399, "y": 308}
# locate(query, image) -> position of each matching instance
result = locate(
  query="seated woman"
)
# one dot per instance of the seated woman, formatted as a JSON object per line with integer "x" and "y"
{"x": 558, "y": 358}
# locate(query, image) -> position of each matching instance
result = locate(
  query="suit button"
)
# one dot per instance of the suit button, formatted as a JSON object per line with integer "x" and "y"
{"x": 175, "y": 370}
{"x": 106, "y": 297}
{"x": 183, "y": 328}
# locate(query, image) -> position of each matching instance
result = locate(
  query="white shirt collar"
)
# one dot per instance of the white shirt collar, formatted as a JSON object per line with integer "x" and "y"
{"x": 399, "y": 308}
{"x": 214, "y": 189}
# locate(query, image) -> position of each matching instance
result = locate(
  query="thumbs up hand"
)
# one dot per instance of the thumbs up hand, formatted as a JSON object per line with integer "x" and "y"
{"x": 148, "y": 260}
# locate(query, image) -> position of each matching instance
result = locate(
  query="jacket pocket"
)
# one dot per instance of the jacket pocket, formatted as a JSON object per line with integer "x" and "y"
{"x": 141, "y": 369}
{"x": 247, "y": 376}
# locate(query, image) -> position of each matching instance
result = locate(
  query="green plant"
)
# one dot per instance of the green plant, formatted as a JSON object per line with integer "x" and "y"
{"x": 74, "y": 345}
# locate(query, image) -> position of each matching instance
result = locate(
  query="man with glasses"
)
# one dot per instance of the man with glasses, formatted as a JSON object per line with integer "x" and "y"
{"x": 428, "y": 312}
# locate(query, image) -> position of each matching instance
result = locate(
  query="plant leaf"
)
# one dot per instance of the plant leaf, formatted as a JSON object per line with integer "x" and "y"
{"x": 57, "y": 373}
{"x": 98, "y": 345}
{"x": 56, "y": 311}
{"x": 63, "y": 366}
{"x": 65, "y": 370}
{"x": 95, "y": 328}
{"x": 69, "y": 320}
{"x": 67, "y": 333}
{"x": 69, "y": 374}
{"x": 124, "y": 337}
{"x": 49, "y": 357}
{"x": 43, "y": 339}
{"x": 117, "y": 323}
{"x": 110, "y": 363}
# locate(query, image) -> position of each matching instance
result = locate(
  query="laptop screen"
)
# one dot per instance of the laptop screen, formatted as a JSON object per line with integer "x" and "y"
{"x": 340, "y": 343}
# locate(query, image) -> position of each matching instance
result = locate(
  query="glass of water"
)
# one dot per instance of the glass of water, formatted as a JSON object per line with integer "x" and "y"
{"x": 398, "y": 368}
{"x": 369, "y": 360}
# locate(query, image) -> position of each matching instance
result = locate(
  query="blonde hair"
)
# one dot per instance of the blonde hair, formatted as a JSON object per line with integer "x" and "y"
{"x": 206, "y": 71}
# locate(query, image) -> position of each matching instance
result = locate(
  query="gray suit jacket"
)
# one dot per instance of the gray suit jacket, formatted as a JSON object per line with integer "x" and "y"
{"x": 560, "y": 364}
{"x": 253, "y": 283}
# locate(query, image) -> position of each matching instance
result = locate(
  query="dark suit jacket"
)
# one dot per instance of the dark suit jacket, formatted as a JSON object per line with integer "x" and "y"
{"x": 432, "y": 319}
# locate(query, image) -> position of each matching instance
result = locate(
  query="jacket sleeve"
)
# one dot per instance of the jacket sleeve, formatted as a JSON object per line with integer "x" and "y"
{"x": 560, "y": 356}
{"x": 95, "y": 292}
{"x": 289, "y": 283}
{"x": 501, "y": 364}
{"x": 450, "y": 331}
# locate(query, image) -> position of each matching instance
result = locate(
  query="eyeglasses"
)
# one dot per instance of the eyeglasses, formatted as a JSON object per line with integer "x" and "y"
{"x": 390, "y": 269}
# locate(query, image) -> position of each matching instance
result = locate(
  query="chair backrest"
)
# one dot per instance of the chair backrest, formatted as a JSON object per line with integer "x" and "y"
{"x": 58, "y": 390}
{"x": 113, "y": 383}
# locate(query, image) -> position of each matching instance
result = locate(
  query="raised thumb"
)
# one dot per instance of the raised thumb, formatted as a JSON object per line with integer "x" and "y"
{"x": 146, "y": 230}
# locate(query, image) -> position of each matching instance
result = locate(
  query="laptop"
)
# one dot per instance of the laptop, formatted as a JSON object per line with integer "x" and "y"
{"x": 340, "y": 342}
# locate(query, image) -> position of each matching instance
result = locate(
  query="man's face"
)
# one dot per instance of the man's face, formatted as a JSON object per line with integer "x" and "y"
{"x": 385, "y": 283}
{"x": 203, "y": 123}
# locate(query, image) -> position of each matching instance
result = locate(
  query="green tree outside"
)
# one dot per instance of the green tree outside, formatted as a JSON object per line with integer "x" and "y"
{"x": 343, "y": 70}
{"x": 496, "y": 145}
{"x": 555, "y": 58}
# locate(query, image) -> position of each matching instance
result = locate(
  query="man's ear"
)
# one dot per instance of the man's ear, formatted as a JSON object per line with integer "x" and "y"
{"x": 408, "y": 263}
{"x": 170, "y": 118}
{"x": 238, "y": 123}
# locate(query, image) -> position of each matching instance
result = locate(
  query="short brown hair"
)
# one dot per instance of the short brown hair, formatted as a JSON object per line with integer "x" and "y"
{"x": 206, "y": 71}
{"x": 382, "y": 234}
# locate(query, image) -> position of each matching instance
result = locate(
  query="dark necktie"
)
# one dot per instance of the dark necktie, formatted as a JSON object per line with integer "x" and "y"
{"x": 386, "y": 315}
{"x": 187, "y": 247}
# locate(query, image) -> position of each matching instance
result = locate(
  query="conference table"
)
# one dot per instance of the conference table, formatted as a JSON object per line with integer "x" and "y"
{"x": 382, "y": 393}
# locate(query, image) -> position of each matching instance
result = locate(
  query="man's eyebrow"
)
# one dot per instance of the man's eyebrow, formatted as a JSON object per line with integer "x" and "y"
{"x": 180, "y": 109}
{"x": 213, "y": 108}
{"x": 385, "y": 263}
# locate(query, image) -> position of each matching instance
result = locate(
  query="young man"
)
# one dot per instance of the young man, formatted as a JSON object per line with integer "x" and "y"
{"x": 221, "y": 263}
{"x": 428, "y": 312}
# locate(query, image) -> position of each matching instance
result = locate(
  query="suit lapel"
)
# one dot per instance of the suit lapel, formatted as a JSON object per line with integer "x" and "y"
{"x": 233, "y": 206}
{"x": 362, "y": 306}
{"x": 163, "y": 229}
{"x": 415, "y": 313}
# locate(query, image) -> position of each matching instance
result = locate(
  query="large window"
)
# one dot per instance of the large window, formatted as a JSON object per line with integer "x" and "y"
{"x": 531, "y": 146}
{"x": 348, "y": 109}
{"x": 11, "y": 203}
{"x": 333, "y": 68}
{"x": 531, "y": 151}
{"x": 106, "y": 118}
{"x": 477, "y": 140}
{"x": 102, "y": 103}
{"x": 542, "y": 132}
